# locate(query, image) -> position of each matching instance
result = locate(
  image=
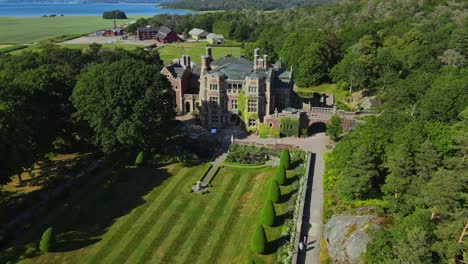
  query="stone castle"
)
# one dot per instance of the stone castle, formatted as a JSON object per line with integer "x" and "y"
{"x": 230, "y": 90}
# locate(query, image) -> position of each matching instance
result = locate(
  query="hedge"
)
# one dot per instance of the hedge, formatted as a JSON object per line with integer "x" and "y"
{"x": 280, "y": 175}
{"x": 268, "y": 214}
{"x": 12, "y": 48}
{"x": 285, "y": 159}
{"x": 139, "y": 159}
{"x": 258, "y": 243}
{"x": 274, "y": 191}
{"x": 47, "y": 240}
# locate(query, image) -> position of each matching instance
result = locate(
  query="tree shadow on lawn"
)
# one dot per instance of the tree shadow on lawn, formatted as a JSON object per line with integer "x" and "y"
{"x": 82, "y": 217}
{"x": 273, "y": 245}
{"x": 286, "y": 197}
{"x": 291, "y": 180}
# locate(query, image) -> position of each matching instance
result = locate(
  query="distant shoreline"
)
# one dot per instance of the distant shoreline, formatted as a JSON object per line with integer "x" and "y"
{"x": 71, "y": 9}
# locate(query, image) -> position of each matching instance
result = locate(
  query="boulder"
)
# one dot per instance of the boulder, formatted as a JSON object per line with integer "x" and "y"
{"x": 371, "y": 103}
{"x": 347, "y": 237}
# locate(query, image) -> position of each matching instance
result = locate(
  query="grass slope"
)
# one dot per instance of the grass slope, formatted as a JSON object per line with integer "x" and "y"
{"x": 149, "y": 216}
{"x": 29, "y": 30}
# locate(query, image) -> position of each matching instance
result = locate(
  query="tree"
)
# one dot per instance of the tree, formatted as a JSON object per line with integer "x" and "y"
{"x": 47, "y": 242}
{"x": 274, "y": 192}
{"x": 285, "y": 159}
{"x": 139, "y": 159}
{"x": 356, "y": 69}
{"x": 114, "y": 14}
{"x": 127, "y": 104}
{"x": 258, "y": 242}
{"x": 313, "y": 65}
{"x": 268, "y": 214}
{"x": 280, "y": 175}
{"x": 334, "y": 129}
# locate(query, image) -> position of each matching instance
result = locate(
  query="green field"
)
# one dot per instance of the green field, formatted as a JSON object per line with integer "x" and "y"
{"x": 30, "y": 30}
{"x": 149, "y": 216}
{"x": 195, "y": 50}
{"x": 167, "y": 52}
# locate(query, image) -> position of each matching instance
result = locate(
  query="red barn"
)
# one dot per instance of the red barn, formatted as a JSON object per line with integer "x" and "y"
{"x": 161, "y": 34}
{"x": 144, "y": 33}
{"x": 166, "y": 35}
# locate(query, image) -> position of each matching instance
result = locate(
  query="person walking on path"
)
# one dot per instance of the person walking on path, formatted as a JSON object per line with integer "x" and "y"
{"x": 301, "y": 246}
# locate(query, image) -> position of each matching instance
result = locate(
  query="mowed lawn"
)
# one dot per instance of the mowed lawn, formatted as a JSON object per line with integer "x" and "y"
{"x": 149, "y": 216}
{"x": 29, "y": 30}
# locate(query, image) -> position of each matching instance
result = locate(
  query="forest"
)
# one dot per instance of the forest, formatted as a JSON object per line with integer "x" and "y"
{"x": 207, "y": 5}
{"x": 60, "y": 100}
{"x": 411, "y": 159}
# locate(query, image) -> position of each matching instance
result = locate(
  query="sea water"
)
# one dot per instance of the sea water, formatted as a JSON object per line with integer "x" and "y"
{"x": 80, "y": 9}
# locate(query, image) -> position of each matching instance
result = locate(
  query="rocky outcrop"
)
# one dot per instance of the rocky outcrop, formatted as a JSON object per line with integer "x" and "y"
{"x": 347, "y": 237}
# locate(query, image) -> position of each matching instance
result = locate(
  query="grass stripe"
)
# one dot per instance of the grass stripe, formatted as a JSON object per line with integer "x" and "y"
{"x": 219, "y": 215}
{"x": 188, "y": 227}
{"x": 197, "y": 242}
{"x": 229, "y": 224}
{"x": 151, "y": 241}
{"x": 140, "y": 227}
{"x": 183, "y": 242}
{"x": 120, "y": 232}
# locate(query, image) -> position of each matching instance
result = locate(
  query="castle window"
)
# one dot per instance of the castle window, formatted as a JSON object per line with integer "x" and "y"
{"x": 252, "y": 122}
{"x": 213, "y": 87}
{"x": 214, "y": 119}
{"x": 239, "y": 86}
{"x": 234, "y": 104}
{"x": 252, "y": 89}
{"x": 229, "y": 88}
{"x": 213, "y": 102}
{"x": 252, "y": 106}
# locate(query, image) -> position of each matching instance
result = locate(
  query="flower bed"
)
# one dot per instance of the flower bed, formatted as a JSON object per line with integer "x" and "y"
{"x": 244, "y": 154}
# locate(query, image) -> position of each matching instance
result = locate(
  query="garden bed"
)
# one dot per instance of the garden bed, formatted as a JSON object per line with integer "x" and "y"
{"x": 244, "y": 154}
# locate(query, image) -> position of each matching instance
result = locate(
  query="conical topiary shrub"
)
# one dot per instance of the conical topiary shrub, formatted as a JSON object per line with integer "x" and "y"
{"x": 268, "y": 214}
{"x": 47, "y": 240}
{"x": 274, "y": 192}
{"x": 139, "y": 159}
{"x": 285, "y": 159}
{"x": 280, "y": 175}
{"x": 258, "y": 243}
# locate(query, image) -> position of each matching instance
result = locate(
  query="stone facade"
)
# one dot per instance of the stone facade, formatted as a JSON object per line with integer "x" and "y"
{"x": 230, "y": 90}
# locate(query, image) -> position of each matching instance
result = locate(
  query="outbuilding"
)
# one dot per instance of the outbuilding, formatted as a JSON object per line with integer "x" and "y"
{"x": 198, "y": 34}
{"x": 215, "y": 38}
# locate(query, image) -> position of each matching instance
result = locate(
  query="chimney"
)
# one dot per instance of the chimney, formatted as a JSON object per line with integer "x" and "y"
{"x": 184, "y": 60}
{"x": 205, "y": 63}
{"x": 188, "y": 61}
{"x": 265, "y": 61}
{"x": 208, "y": 52}
{"x": 256, "y": 56}
{"x": 256, "y": 51}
